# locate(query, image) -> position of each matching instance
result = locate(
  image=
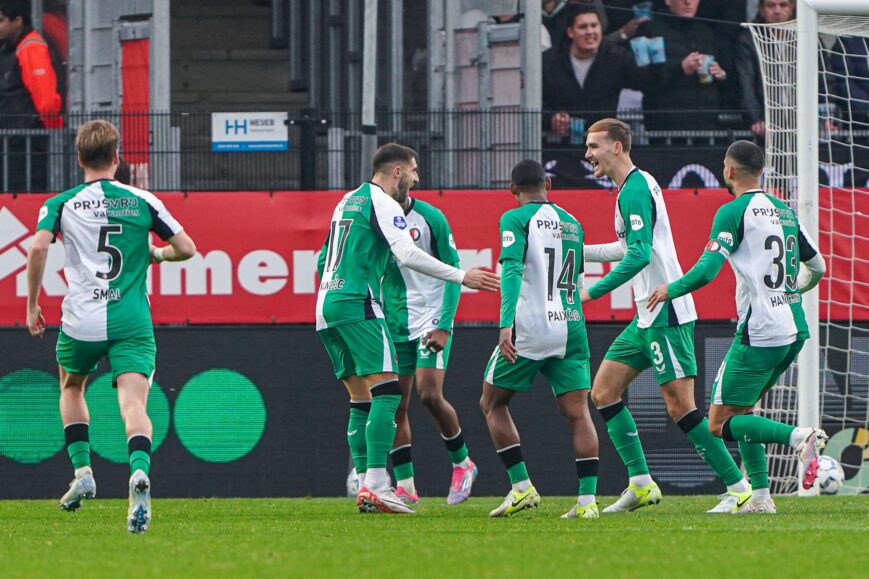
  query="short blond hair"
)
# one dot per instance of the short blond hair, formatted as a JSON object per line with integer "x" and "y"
{"x": 96, "y": 143}
{"x": 616, "y": 131}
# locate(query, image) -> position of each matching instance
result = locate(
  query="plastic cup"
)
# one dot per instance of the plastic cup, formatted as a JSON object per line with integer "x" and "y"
{"x": 643, "y": 10}
{"x": 703, "y": 73}
{"x": 657, "y": 51}
{"x": 577, "y": 131}
{"x": 640, "y": 46}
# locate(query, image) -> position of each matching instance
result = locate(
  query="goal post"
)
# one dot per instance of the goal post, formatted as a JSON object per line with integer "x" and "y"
{"x": 798, "y": 109}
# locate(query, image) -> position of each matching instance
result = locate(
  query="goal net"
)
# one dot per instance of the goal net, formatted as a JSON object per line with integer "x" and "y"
{"x": 817, "y": 149}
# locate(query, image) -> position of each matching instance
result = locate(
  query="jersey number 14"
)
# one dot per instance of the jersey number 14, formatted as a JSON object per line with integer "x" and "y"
{"x": 567, "y": 276}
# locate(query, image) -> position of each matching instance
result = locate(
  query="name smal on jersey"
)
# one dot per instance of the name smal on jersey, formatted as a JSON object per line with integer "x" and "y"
{"x": 785, "y": 299}
{"x": 568, "y": 315}
{"x": 560, "y": 229}
{"x": 110, "y": 294}
{"x": 120, "y": 207}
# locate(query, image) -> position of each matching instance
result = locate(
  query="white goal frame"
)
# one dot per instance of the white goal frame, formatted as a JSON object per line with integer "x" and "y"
{"x": 808, "y": 378}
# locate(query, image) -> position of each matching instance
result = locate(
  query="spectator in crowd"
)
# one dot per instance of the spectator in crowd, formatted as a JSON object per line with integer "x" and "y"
{"x": 586, "y": 76}
{"x": 28, "y": 92}
{"x": 748, "y": 72}
{"x": 687, "y": 96}
{"x": 623, "y": 21}
{"x": 849, "y": 85}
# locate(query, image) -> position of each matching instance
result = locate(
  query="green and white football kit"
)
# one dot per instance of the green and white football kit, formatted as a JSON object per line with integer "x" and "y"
{"x": 416, "y": 304}
{"x": 367, "y": 228}
{"x": 661, "y": 338}
{"x": 106, "y": 235}
{"x": 762, "y": 239}
{"x": 541, "y": 279}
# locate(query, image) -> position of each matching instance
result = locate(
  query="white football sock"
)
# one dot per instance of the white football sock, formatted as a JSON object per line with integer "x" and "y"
{"x": 407, "y": 484}
{"x": 82, "y": 470}
{"x": 798, "y": 435}
{"x": 376, "y": 479}
{"x": 739, "y": 487}
{"x": 760, "y": 494}
{"x": 583, "y": 500}
{"x": 641, "y": 480}
{"x": 522, "y": 485}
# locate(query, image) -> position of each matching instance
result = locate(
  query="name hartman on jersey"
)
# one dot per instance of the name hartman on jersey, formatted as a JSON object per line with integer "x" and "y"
{"x": 121, "y": 207}
{"x": 560, "y": 229}
{"x": 785, "y": 299}
{"x": 354, "y": 203}
{"x": 568, "y": 315}
{"x": 110, "y": 294}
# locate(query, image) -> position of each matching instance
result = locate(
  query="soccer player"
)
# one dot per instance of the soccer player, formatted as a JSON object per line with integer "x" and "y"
{"x": 419, "y": 313}
{"x": 662, "y": 338}
{"x": 105, "y": 228}
{"x": 541, "y": 275}
{"x": 368, "y": 226}
{"x": 762, "y": 239}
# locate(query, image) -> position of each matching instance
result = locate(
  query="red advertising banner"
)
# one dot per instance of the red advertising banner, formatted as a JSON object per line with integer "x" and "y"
{"x": 257, "y": 254}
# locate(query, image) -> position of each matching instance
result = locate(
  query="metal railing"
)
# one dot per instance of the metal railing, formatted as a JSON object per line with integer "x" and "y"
{"x": 458, "y": 149}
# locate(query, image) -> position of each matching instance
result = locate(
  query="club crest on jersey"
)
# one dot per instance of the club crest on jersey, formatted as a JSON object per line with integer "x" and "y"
{"x": 713, "y": 246}
{"x": 725, "y": 237}
{"x": 507, "y": 239}
{"x": 414, "y": 233}
{"x": 636, "y": 222}
{"x": 399, "y": 222}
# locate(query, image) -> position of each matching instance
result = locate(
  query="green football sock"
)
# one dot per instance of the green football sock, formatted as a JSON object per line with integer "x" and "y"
{"x": 511, "y": 457}
{"x": 586, "y": 470}
{"x": 710, "y": 447}
{"x": 356, "y": 434}
{"x": 751, "y": 428}
{"x": 402, "y": 462}
{"x": 623, "y": 432}
{"x": 77, "y": 445}
{"x": 380, "y": 431}
{"x": 456, "y": 447}
{"x": 754, "y": 458}
{"x": 139, "y": 447}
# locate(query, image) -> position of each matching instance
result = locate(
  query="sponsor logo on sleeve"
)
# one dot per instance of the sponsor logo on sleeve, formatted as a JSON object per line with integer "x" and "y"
{"x": 726, "y": 237}
{"x": 507, "y": 239}
{"x": 399, "y": 222}
{"x": 636, "y": 222}
{"x": 43, "y": 211}
{"x": 452, "y": 241}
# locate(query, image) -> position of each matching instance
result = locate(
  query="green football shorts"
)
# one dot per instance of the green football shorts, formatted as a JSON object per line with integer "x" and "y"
{"x": 563, "y": 375}
{"x": 747, "y": 371}
{"x": 413, "y": 354}
{"x": 669, "y": 350}
{"x": 359, "y": 348}
{"x": 137, "y": 354}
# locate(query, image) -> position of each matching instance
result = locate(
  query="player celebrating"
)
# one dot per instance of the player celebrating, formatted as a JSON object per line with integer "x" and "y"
{"x": 367, "y": 225}
{"x": 662, "y": 338}
{"x": 106, "y": 229}
{"x": 763, "y": 241}
{"x": 541, "y": 258}
{"x": 419, "y": 313}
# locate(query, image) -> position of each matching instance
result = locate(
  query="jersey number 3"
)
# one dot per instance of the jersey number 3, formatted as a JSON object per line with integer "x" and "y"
{"x": 116, "y": 258}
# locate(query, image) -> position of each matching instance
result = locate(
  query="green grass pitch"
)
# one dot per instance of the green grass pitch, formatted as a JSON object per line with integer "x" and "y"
{"x": 824, "y": 537}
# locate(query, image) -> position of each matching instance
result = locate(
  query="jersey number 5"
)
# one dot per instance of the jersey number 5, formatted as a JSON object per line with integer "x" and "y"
{"x": 116, "y": 258}
{"x": 565, "y": 278}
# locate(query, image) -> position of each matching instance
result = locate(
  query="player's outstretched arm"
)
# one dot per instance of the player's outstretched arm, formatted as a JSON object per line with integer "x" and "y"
{"x": 703, "y": 272}
{"x": 180, "y": 248}
{"x": 37, "y": 254}
{"x": 409, "y": 255}
{"x": 638, "y": 256}
{"x": 604, "y": 252}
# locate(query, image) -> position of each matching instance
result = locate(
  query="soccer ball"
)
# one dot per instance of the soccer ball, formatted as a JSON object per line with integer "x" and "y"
{"x": 831, "y": 477}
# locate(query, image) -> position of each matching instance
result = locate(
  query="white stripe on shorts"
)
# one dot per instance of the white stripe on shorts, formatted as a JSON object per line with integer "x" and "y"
{"x": 680, "y": 373}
